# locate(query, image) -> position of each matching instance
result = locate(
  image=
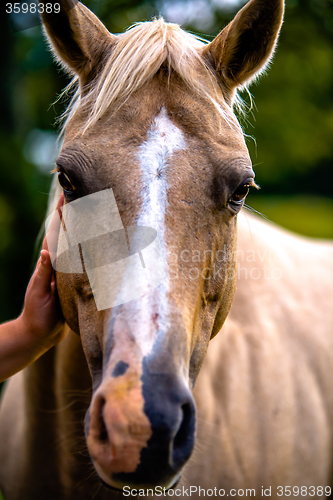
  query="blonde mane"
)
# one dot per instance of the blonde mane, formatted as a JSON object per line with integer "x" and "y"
{"x": 136, "y": 57}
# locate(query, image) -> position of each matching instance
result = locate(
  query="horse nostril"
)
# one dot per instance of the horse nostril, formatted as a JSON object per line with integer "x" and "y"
{"x": 183, "y": 440}
{"x": 102, "y": 430}
{"x": 181, "y": 436}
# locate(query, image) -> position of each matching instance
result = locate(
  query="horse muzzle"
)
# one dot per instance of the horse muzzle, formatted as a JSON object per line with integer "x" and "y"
{"x": 141, "y": 430}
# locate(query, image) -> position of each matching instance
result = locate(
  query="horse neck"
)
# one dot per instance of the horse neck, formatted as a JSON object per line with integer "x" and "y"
{"x": 40, "y": 428}
{"x": 58, "y": 392}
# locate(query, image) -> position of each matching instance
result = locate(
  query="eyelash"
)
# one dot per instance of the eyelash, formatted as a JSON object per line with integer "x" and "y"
{"x": 66, "y": 183}
{"x": 237, "y": 199}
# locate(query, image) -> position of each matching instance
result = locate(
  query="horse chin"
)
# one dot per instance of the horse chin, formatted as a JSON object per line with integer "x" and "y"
{"x": 115, "y": 484}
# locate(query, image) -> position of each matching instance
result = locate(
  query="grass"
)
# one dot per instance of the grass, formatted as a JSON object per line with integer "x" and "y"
{"x": 307, "y": 215}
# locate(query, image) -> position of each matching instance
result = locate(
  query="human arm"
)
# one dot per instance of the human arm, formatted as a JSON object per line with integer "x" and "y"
{"x": 40, "y": 325}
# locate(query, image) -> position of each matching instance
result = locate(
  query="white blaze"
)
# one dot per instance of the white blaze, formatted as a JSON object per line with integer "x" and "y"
{"x": 164, "y": 139}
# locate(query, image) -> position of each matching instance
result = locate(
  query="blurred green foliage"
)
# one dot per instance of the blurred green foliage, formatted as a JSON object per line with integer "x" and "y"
{"x": 293, "y": 124}
{"x": 299, "y": 213}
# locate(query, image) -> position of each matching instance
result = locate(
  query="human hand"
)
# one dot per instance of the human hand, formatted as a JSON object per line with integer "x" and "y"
{"x": 42, "y": 317}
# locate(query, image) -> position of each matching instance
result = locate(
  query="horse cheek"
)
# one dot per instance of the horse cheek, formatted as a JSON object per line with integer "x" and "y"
{"x": 68, "y": 303}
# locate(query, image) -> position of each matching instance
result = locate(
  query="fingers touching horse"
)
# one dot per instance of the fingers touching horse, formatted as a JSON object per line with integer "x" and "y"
{"x": 152, "y": 120}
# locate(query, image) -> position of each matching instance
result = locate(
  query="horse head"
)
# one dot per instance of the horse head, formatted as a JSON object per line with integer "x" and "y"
{"x": 152, "y": 126}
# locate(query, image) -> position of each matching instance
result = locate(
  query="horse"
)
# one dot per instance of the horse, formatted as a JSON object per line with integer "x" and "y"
{"x": 119, "y": 407}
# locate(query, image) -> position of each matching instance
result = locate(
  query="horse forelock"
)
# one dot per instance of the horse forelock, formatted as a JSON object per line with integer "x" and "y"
{"x": 137, "y": 55}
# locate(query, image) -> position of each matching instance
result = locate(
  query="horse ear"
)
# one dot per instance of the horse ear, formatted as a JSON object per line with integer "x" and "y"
{"x": 244, "y": 48}
{"x": 77, "y": 36}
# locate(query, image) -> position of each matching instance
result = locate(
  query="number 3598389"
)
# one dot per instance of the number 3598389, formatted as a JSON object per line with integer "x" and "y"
{"x": 32, "y": 8}
{"x": 303, "y": 491}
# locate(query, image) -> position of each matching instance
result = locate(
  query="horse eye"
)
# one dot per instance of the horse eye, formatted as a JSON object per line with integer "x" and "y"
{"x": 240, "y": 193}
{"x": 65, "y": 182}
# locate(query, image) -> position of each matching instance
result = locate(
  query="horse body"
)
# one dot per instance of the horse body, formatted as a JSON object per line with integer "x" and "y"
{"x": 265, "y": 386}
{"x": 264, "y": 400}
{"x": 151, "y": 129}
